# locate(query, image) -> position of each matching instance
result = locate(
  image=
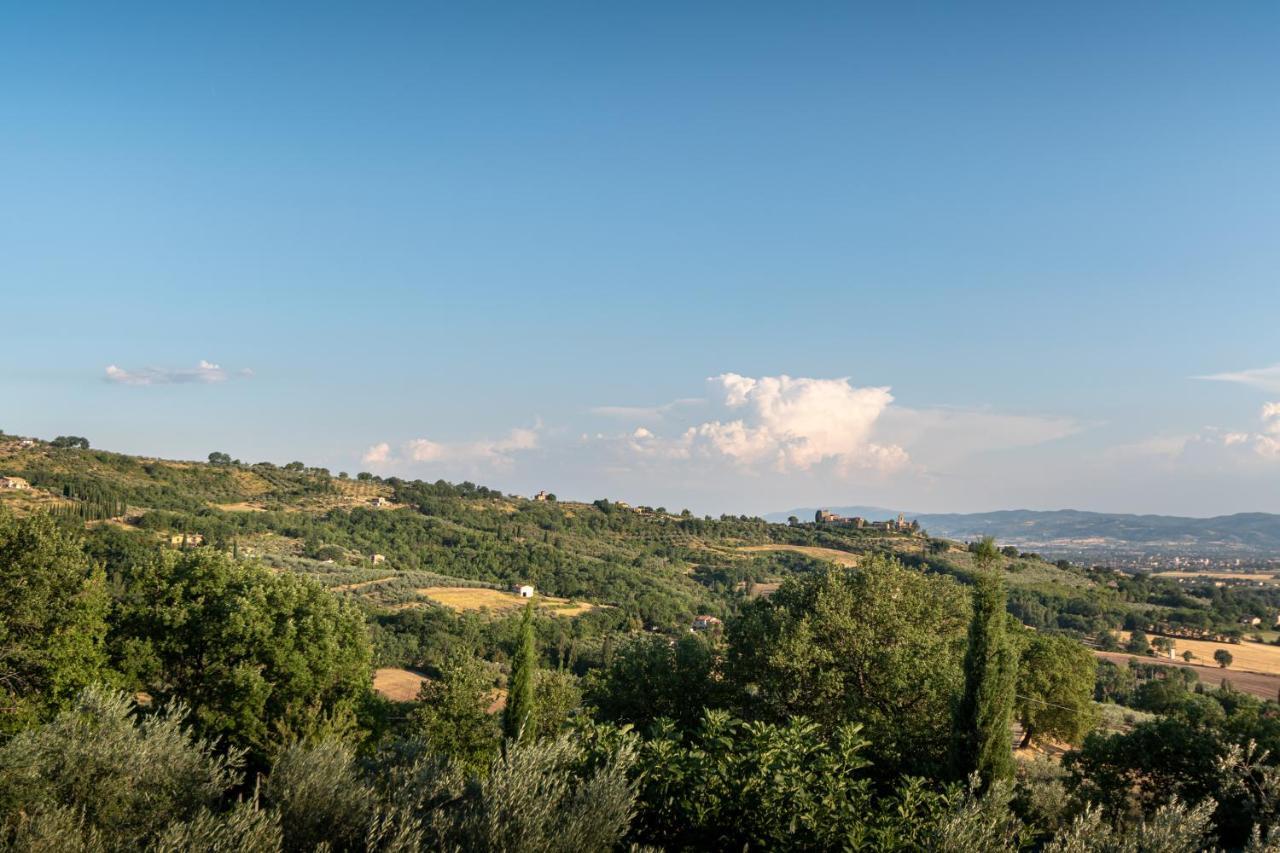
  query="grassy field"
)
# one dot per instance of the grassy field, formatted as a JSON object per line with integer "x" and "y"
{"x": 478, "y": 598}
{"x": 842, "y": 558}
{"x": 1246, "y": 657}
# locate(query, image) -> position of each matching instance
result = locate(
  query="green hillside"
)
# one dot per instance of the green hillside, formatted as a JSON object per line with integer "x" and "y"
{"x": 654, "y": 567}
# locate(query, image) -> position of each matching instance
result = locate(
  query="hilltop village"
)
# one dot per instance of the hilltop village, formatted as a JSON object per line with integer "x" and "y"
{"x": 897, "y": 525}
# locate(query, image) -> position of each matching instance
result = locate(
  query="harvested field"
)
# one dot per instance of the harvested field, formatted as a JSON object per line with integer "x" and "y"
{"x": 480, "y": 598}
{"x": 1261, "y": 577}
{"x": 1264, "y": 686}
{"x": 842, "y": 558}
{"x": 1245, "y": 657}
{"x": 398, "y": 685}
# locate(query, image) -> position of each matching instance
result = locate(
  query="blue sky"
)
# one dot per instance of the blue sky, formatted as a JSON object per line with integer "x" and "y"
{"x": 517, "y": 232}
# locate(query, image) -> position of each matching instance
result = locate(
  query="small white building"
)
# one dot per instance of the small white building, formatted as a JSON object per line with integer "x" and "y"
{"x": 706, "y": 623}
{"x": 378, "y": 558}
{"x": 523, "y": 590}
{"x": 378, "y": 501}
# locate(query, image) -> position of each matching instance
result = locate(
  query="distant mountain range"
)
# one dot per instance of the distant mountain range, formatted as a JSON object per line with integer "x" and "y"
{"x": 1070, "y": 531}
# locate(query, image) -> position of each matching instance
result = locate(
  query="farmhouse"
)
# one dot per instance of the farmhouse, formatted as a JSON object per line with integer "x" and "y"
{"x": 523, "y": 590}
{"x": 541, "y": 496}
{"x": 378, "y": 501}
{"x": 378, "y": 558}
{"x": 186, "y": 540}
{"x": 14, "y": 483}
{"x": 706, "y": 623}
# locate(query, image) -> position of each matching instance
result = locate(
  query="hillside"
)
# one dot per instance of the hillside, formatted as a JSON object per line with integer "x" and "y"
{"x": 657, "y": 568}
{"x": 1077, "y": 533}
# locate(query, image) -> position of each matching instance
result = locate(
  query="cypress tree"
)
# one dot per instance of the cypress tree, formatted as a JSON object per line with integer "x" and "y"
{"x": 517, "y": 718}
{"x": 982, "y": 728}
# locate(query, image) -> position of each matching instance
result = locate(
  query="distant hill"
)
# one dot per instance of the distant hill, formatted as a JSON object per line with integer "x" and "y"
{"x": 1070, "y": 531}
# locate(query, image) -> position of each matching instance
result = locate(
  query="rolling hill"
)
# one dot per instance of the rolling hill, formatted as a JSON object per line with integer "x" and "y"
{"x": 1074, "y": 532}
{"x": 388, "y": 543}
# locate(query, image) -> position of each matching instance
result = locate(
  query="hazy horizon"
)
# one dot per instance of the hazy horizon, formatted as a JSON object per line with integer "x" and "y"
{"x": 731, "y": 258}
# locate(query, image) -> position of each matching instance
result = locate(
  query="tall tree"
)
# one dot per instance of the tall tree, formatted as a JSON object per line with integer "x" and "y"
{"x": 982, "y": 735}
{"x": 881, "y": 645}
{"x": 518, "y": 717}
{"x": 452, "y": 716}
{"x": 986, "y": 554}
{"x": 261, "y": 658}
{"x": 53, "y": 606}
{"x": 1056, "y": 678}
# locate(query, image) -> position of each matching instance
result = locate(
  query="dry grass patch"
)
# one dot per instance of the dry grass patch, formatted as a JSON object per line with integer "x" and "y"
{"x": 841, "y": 558}
{"x": 398, "y": 685}
{"x": 481, "y": 598}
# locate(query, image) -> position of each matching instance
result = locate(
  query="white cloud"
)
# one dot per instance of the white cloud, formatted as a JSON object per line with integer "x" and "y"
{"x": 497, "y": 453}
{"x": 377, "y": 454}
{"x": 205, "y": 372}
{"x": 1271, "y": 418}
{"x": 1216, "y": 447}
{"x": 1266, "y": 378}
{"x": 795, "y": 424}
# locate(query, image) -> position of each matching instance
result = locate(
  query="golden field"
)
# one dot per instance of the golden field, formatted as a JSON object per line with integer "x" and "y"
{"x": 1245, "y": 657}
{"x": 481, "y": 598}
{"x": 398, "y": 685}
{"x": 1264, "y": 577}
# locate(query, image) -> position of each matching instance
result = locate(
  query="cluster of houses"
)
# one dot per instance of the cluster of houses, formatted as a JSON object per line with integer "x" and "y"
{"x": 14, "y": 483}
{"x": 900, "y": 524}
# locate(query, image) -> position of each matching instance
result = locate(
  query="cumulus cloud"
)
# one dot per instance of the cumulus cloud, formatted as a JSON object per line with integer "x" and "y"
{"x": 1266, "y": 378}
{"x": 794, "y": 424}
{"x": 377, "y": 454}
{"x": 497, "y": 452}
{"x": 205, "y": 372}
